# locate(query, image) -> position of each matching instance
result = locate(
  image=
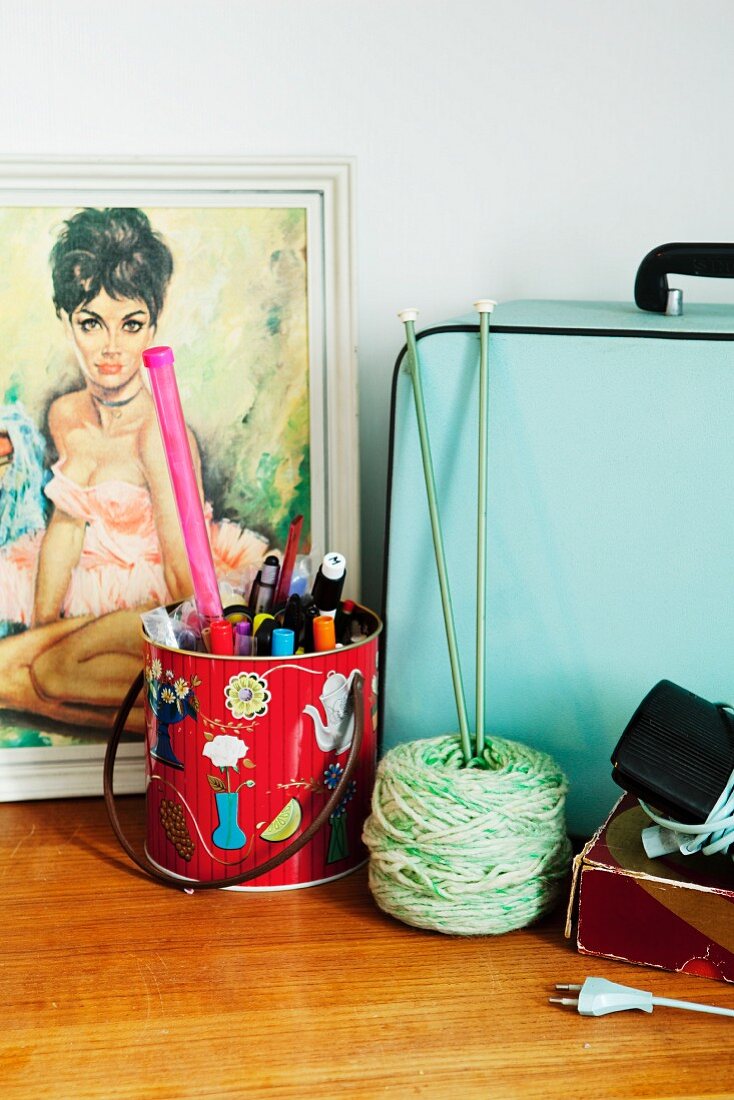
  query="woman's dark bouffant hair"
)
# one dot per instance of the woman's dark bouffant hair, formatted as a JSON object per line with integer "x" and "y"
{"x": 113, "y": 250}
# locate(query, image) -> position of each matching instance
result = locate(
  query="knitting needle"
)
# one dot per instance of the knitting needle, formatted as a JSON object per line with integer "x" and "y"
{"x": 484, "y": 307}
{"x": 408, "y": 317}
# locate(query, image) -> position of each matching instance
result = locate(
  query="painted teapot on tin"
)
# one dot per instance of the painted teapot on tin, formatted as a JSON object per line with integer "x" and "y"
{"x": 335, "y": 735}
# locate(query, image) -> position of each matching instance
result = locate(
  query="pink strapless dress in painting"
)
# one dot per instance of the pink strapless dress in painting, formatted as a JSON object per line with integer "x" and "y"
{"x": 120, "y": 564}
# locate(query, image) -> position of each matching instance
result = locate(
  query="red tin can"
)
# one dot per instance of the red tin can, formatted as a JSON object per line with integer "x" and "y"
{"x": 244, "y": 754}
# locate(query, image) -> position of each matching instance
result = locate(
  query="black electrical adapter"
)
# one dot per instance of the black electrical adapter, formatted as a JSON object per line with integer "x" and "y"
{"x": 677, "y": 752}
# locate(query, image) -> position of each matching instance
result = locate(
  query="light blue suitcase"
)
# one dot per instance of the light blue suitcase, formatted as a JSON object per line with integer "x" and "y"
{"x": 610, "y": 549}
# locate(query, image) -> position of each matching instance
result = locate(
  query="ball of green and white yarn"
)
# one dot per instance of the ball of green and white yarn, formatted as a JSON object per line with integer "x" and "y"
{"x": 467, "y": 850}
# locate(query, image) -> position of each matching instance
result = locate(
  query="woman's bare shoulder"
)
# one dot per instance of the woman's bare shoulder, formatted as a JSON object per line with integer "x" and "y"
{"x": 67, "y": 411}
{"x": 69, "y": 405}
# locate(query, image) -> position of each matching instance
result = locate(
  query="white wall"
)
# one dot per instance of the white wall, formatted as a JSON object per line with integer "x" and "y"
{"x": 506, "y": 148}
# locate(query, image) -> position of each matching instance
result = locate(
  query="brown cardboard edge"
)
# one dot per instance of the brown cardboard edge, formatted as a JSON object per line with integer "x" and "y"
{"x": 577, "y": 865}
{"x": 577, "y": 861}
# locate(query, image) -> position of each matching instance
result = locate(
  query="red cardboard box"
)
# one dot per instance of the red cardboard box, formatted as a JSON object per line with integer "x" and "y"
{"x": 676, "y": 912}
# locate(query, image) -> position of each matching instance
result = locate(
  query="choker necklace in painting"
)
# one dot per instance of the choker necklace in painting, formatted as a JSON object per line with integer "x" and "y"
{"x": 115, "y": 404}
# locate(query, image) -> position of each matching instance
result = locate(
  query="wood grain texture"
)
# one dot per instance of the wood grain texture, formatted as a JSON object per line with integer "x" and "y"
{"x": 114, "y": 987}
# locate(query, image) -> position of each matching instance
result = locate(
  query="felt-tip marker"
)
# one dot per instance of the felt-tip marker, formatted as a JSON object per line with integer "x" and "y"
{"x": 289, "y": 560}
{"x": 294, "y": 618}
{"x": 221, "y": 638}
{"x": 263, "y": 626}
{"x": 324, "y": 635}
{"x": 243, "y": 638}
{"x": 329, "y": 582}
{"x": 281, "y": 642}
{"x": 310, "y": 614}
{"x": 268, "y": 584}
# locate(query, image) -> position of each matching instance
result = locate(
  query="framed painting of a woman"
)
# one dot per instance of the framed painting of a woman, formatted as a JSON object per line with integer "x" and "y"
{"x": 244, "y": 269}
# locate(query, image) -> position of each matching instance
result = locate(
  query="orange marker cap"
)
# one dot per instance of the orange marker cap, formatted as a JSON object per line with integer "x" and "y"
{"x": 324, "y": 634}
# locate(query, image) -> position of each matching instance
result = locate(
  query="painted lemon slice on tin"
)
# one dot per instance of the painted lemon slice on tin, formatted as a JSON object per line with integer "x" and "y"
{"x": 285, "y": 824}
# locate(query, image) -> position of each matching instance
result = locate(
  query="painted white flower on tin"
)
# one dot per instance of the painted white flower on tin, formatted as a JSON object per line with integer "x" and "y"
{"x": 224, "y": 750}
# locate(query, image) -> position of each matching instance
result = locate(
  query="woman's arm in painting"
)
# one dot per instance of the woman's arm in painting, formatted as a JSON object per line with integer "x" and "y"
{"x": 173, "y": 552}
{"x": 61, "y": 547}
{"x": 60, "y": 551}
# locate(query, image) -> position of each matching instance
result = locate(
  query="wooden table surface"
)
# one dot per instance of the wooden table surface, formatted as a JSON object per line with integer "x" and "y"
{"x": 113, "y": 986}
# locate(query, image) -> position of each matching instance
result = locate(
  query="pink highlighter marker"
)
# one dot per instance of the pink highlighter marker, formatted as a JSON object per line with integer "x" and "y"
{"x": 159, "y": 362}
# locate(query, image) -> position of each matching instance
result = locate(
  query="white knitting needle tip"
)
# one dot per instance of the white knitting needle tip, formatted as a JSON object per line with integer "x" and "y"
{"x": 408, "y": 315}
{"x": 485, "y": 305}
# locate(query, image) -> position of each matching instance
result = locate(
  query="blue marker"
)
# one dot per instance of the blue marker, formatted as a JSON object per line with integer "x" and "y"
{"x": 282, "y": 642}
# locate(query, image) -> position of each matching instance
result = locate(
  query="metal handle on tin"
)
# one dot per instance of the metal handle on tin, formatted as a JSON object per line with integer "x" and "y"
{"x": 290, "y": 850}
{"x": 714, "y": 261}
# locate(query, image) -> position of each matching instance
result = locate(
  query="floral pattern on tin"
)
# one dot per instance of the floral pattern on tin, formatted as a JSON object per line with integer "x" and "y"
{"x": 247, "y": 695}
{"x": 225, "y": 753}
{"x": 338, "y": 838}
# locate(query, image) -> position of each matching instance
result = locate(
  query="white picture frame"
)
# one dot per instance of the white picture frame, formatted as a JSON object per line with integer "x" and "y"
{"x": 324, "y": 189}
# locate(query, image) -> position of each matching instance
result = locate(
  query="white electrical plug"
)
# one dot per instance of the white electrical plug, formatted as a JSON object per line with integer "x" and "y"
{"x": 597, "y": 997}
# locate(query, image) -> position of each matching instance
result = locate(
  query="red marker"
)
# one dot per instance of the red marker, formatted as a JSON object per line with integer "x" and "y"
{"x": 221, "y": 637}
{"x": 289, "y": 560}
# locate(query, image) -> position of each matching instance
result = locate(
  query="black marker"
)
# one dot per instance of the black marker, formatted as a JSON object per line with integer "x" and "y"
{"x": 294, "y": 619}
{"x": 263, "y": 635}
{"x": 268, "y": 582}
{"x": 310, "y": 612}
{"x": 327, "y": 588}
{"x": 345, "y": 623}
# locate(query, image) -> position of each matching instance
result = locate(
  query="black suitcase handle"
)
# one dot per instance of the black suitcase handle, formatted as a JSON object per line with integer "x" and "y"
{"x": 714, "y": 261}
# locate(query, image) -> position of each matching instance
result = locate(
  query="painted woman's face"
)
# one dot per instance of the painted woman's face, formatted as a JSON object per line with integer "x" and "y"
{"x": 109, "y": 336}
